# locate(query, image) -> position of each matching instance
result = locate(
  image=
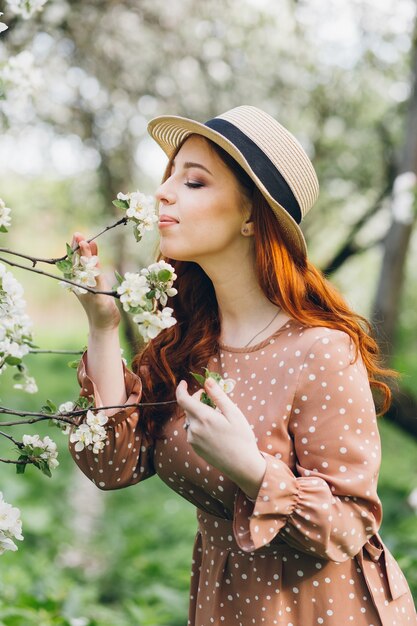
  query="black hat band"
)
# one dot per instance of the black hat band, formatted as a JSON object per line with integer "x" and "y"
{"x": 261, "y": 165}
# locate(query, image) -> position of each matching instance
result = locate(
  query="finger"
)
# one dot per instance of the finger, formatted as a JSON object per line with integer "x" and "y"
{"x": 93, "y": 248}
{"x": 181, "y": 393}
{"x": 187, "y": 402}
{"x": 76, "y": 239}
{"x": 219, "y": 397}
{"x": 85, "y": 248}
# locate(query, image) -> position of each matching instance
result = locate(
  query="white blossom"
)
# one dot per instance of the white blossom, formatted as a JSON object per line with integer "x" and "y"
{"x": 141, "y": 211}
{"x": 90, "y": 434}
{"x": 151, "y": 324}
{"x": 29, "y": 385}
{"x": 133, "y": 291}
{"x": 84, "y": 272}
{"x": 66, "y": 407}
{"x": 5, "y": 219}
{"x": 26, "y": 8}
{"x": 412, "y": 499}
{"x": 48, "y": 450}
{"x": 63, "y": 409}
{"x": 227, "y": 384}
{"x": 15, "y": 324}
{"x": 163, "y": 288}
{"x": 3, "y": 26}
{"x": 10, "y": 526}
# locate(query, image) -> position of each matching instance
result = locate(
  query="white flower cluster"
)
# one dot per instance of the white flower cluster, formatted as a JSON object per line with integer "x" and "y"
{"x": 10, "y": 526}
{"x": 3, "y": 26}
{"x": 20, "y": 75}
{"x": 140, "y": 210}
{"x": 90, "y": 434}
{"x": 26, "y": 8}
{"x": 140, "y": 293}
{"x": 5, "y": 219}
{"x": 15, "y": 327}
{"x": 84, "y": 272}
{"x": 44, "y": 449}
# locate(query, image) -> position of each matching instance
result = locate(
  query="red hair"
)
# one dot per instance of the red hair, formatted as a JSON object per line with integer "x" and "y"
{"x": 293, "y": 283}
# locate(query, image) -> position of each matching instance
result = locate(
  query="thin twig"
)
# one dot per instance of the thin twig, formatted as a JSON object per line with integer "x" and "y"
{"x": 52, "y": 261}
{"x": 12, "y": 439}
{"x": 39, "y": 417}
{"x": 16, "y": 462}
{"x": 65, "y": 280}
{"x": 33, "y": 351}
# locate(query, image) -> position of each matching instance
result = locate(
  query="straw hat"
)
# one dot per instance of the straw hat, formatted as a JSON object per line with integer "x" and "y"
{"x": 268, "y": 153}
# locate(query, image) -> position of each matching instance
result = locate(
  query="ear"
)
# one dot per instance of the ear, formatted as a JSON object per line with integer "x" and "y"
{"x": 247, "y": 229}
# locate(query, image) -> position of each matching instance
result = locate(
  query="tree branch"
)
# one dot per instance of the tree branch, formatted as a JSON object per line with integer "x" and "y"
{"x": 65, "y": 280}
{"x": 39, "y": 417}
{"x": 52, "y": 261}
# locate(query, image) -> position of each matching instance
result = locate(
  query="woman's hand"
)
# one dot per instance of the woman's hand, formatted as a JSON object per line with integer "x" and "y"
{"x": 102, "y": 311}
{"x": 223, "y": 436}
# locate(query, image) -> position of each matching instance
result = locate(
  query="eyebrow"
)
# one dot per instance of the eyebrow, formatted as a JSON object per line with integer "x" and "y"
{"x": 189, "y": 164}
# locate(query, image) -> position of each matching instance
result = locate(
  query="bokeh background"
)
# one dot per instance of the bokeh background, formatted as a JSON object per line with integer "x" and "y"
{"x": 342, "y": 77}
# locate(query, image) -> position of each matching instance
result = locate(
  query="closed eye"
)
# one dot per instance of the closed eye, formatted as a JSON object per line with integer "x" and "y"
{"x": 194, "y": 185}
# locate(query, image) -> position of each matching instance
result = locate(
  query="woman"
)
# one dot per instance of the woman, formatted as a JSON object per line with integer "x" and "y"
{"x": 284, "y": 472}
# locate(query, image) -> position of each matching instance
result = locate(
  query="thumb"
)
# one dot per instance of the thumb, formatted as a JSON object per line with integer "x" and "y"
{"x": 219, "y": 397}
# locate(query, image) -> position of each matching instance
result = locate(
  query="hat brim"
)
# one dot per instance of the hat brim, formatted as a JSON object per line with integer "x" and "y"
{"x": 169, "y": 131}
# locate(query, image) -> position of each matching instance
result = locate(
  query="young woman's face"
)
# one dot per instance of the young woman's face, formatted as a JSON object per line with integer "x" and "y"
{"x": 204, "y": 199}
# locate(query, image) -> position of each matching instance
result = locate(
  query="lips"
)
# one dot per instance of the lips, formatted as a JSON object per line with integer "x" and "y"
{"x": 167, "y": 219}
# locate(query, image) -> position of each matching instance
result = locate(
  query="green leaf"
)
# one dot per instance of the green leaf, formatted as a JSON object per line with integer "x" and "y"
{"x": 45, "y": 409}
{"x": 213, "y": 375}
{"x": 199, "y": 378}
{"x": 137, "y": 234}
{"x": 206, "y": 400}
{"x": 164, "y": 275}
{"x": 120, "y": 278}
{"x": 64, "y": 266}
{"x": 74, "y": 364}
{"x": 13, "y": 360}
{"x": 20, "y": 469}
{"x": 52, "y": 406}
{"x": 70, "y": 251}
{"x": 3, "y": 229}
{"x": 84, "y": 403}
{"x": 18, "y": 376}
{"x": 151, "y": 294}
{"x": 121, "y": 204}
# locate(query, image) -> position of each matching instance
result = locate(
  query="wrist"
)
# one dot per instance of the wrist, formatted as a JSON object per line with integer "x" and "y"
{"x": 95, "y": 331}
{"x": 251, "y": 481}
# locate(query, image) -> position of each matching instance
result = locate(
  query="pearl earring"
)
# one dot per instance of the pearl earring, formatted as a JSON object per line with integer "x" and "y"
{"x": 245, "y": 230}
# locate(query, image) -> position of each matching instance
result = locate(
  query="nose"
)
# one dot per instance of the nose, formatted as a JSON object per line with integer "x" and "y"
{"x": 164, "y": 194}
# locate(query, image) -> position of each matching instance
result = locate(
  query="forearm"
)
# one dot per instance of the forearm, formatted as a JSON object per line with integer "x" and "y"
{"x": 105, "y": 367}
{"x": 249, "y": 478}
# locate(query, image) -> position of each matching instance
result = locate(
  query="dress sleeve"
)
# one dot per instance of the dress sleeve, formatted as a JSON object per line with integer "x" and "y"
{"x": 329, "y": 506}
{"x": 127, "y": 456}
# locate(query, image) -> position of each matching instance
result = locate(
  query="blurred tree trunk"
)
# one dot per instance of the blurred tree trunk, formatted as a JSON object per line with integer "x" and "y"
{"x": 396, "y": 244}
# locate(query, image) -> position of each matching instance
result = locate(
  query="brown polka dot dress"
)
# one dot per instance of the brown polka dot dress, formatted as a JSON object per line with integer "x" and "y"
{"x": 307, "y": 551}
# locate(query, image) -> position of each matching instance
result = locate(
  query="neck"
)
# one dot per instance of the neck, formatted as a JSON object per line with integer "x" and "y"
{"x": 244, "y": 309}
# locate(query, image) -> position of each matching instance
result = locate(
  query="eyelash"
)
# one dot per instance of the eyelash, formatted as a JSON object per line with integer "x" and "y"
{"x": 194, "y": 185}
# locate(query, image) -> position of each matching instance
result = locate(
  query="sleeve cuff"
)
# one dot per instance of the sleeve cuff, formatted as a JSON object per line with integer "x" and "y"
{"x": 133, "y": 385}
{"x": 256, "y": 524}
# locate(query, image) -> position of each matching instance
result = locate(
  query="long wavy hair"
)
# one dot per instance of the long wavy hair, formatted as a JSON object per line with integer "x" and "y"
{"x": 289, "y": 281}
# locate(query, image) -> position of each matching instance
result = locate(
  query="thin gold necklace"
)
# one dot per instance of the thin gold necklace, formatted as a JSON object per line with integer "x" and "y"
{"x": 261, "y": 331}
